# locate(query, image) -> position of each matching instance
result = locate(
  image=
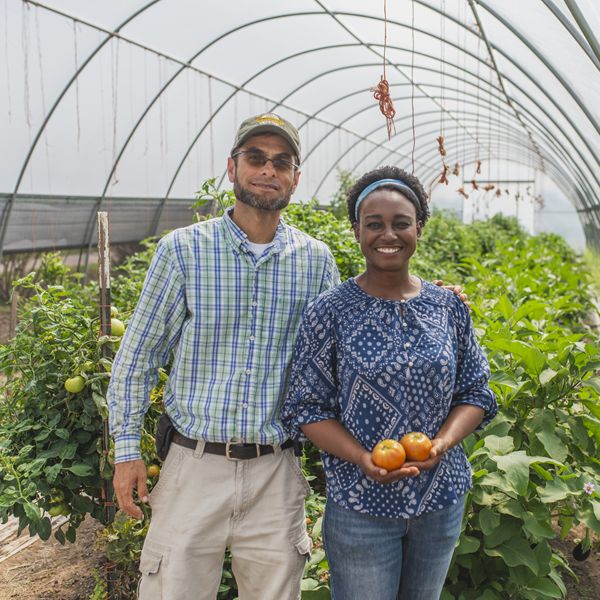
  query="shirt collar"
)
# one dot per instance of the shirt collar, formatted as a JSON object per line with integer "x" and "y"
{"x": 239, "y": 239}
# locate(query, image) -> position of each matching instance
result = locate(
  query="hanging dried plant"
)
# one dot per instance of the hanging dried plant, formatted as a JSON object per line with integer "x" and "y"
{"x": 478, "y": 169}
{"x": 456, "y": 170}
{"x": 444, "y": 176}
{"x": 461, "y": 191}
{"x": 441, "y": 149}
{"x": 498, "y": 192}
{"x": 474, "y": 184}
{"x": 381, "y": 93}
{"x": 488, "y": 186}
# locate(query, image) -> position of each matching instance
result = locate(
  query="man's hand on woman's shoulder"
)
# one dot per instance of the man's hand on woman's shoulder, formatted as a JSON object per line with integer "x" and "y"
{"x": 455, "y": 289}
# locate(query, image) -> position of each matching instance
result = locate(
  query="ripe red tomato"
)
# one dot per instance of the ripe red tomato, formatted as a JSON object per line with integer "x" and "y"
{"x": 389, "y": 455}
{"x": 417, "y": 446}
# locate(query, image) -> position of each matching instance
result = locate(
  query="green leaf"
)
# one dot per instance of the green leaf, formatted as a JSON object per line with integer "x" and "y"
{"x": 547, "y": 375}
{"x": 587, "y": 515}
{"x": 515, "y": 552}
{"x": 467, "y": 545}
{"x": 81, "y": 470}
{"x": 554, "y": 491}
{"x": 44, "y": 528}
{"x": 488, "y": 520}
{"x": 499, "y": 445}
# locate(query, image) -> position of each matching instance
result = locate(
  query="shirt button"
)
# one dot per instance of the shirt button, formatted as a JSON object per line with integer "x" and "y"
{"x": 410, "y": 364}
{"x": 254, "y": 304}
{"x": 404, "y": 324}
{"x": 251, "y": 338}
{"x": 248, "y": 371}
{"x": 244, "y": 405}
{"x": 407, "y": 344}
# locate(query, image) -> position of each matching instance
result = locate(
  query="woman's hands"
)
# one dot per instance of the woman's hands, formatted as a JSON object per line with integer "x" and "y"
{"x": 409, "y": 469}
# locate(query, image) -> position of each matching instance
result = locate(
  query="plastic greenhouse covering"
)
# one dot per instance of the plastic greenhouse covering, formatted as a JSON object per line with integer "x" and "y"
{"x": 129, "y": 105}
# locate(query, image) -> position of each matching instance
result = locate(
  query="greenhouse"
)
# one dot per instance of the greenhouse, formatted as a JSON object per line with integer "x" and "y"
{"x": 131, "y": 109}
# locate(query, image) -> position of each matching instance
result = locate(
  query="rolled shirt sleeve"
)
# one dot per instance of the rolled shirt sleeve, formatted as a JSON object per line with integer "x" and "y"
{"x": 313, "y": 389}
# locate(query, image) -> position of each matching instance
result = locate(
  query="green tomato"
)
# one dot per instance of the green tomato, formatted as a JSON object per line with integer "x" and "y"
{"x": 75, "y": 384}
{"x": 114, "y": 311}
{"x": 117, "y": 327}
{"x": 59, "y": 509}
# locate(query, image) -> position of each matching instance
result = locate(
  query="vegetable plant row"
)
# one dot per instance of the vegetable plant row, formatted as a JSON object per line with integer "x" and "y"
{"x": 536, "y": 467}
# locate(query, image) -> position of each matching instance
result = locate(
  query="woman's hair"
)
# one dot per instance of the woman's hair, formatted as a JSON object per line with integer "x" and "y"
{"x": 389, "y": 172}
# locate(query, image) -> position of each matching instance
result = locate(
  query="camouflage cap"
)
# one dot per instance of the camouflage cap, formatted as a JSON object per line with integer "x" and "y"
{"x": 268, "y": 123}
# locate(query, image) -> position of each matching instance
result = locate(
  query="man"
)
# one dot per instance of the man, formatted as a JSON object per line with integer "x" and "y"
{"x": 223, "y": 300}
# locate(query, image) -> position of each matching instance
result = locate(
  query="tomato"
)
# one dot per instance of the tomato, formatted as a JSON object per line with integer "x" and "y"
{"x": 117, "y": 327}
{"x": 59, "y": 509}
{"x": 114, "y": 311}
{"x": 75, "y": 384}
{"x": 389, "y": 455}
{"x": 153, "y": 471}
{"x": 417, "y": 446}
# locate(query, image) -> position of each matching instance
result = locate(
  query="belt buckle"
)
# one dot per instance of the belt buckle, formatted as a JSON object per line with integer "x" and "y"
{"x": 228, "y": 451}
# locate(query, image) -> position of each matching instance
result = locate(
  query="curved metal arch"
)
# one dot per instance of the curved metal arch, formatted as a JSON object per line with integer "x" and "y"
{"x": 569, "y": 194}
{"x": 593, "y": 53}
{"x": 551, "y": 160}
{"x": 370, "y": 133}
{"x": 426, "y": 33}
{"x": 513, "y": 149}
{"x": 543, "y": 60}
{"x": 549, "y": 140}
{"x": 517, "y": 66}
{"x": 541, "y": 128}
{"x": 9, "y": 205}
{"x": 555, "y": 176}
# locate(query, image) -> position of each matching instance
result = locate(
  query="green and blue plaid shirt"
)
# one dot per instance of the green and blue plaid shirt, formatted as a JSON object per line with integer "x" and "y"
{"x": 229, "y": 321}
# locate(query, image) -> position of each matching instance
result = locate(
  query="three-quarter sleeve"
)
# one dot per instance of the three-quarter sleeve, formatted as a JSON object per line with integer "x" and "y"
{"x": 473, "y": 370}
{"x": 312, "y": 394}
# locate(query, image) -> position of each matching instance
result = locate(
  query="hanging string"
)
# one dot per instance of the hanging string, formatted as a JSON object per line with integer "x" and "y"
{"x": 25, "y": 47}
{"x": 412, "y": 84}
{"x": 114, "y": 48}
{"x": 7, "y": 61}
{"x": 161, "y": 110}
{"x": 210, "y": 127}
{"x": 381, "y": 93}
{"x": 443, "y": 178}
{"x": 76, "y": 58}
{"x": 43, "y": 93}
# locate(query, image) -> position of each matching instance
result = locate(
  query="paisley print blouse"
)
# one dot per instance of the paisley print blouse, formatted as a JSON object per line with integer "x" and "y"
{"x": 383, "y": 368}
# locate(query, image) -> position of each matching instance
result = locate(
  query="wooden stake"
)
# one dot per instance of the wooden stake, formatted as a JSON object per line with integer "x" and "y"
{"x": 104, "y": 288}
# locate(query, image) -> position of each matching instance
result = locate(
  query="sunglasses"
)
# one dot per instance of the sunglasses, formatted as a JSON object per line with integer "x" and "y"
{"x": 258, "y": 160}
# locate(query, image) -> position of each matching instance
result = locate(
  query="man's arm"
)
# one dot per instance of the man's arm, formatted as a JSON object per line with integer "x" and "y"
{"x": 153, "y": 330}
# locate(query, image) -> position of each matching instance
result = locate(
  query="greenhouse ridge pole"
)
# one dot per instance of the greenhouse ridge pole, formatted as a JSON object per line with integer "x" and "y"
{"x": 105, "y": 329}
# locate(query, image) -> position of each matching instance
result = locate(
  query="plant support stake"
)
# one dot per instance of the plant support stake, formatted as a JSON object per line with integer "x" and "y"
{"x": 104, "y": 291}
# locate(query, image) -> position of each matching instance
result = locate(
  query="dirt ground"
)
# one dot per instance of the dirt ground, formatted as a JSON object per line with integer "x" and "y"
{"x": 49, "y": 571}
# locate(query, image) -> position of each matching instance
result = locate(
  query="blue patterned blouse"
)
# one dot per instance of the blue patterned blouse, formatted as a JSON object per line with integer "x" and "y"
{"x": 384, "y": 368}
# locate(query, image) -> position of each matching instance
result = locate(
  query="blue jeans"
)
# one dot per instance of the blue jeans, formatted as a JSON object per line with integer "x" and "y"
{"x": 378, "y": 558}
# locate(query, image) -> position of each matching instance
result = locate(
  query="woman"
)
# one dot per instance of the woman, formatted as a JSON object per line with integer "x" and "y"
{"x": 381, "y": 355}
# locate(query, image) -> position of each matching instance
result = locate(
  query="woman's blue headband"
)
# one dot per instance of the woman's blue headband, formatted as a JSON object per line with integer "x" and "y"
{"x": 395, "y": 183}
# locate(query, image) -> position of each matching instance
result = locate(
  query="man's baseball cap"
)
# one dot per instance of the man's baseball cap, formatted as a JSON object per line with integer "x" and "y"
{"x": 268, "y": 123}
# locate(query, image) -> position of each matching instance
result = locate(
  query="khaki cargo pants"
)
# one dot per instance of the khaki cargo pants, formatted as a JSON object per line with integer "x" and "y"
{"x": 204, "y": 503}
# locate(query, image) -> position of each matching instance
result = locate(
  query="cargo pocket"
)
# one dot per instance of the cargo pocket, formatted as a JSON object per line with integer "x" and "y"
{"x": 304, "y": 546}
{"x": 152, "y": 563}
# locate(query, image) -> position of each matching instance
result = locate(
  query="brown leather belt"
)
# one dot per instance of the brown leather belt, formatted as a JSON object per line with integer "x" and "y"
{"x": 231, "y": 450}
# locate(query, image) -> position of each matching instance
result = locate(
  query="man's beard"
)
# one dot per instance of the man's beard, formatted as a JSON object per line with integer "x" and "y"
{"x": 247, "y": 197}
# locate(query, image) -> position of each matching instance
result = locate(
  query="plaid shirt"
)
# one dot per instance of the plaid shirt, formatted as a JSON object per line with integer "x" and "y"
{"x": 229, "y": 321}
